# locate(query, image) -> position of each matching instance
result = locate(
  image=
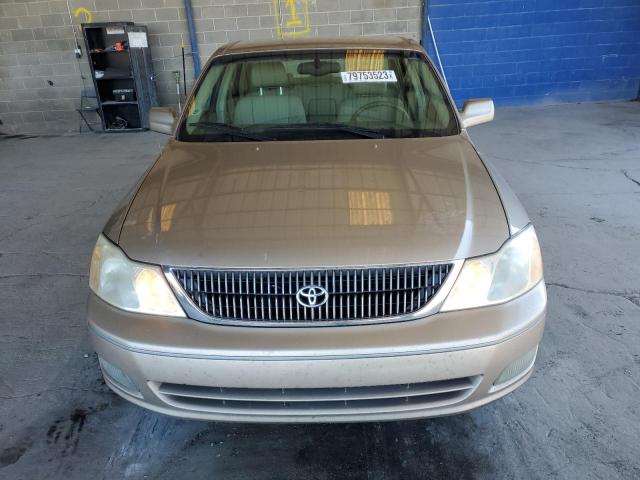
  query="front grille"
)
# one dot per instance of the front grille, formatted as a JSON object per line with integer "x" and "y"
{"x": 318, "y": 401}
{"x": 352, "y": 294}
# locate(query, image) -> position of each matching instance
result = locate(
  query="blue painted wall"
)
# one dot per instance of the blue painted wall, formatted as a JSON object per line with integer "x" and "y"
{"x": 538, "y": 51}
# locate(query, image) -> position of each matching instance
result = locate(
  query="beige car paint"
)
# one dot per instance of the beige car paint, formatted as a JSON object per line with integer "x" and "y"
{"x": 288, "y": 204}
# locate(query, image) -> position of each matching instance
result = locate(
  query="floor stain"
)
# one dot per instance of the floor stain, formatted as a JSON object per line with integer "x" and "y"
{"x": 68, "y": 428}
{"x": 12, "y": 454}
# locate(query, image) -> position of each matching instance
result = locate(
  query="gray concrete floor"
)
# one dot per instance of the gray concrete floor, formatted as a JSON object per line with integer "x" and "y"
{"x": 576, "y": 169}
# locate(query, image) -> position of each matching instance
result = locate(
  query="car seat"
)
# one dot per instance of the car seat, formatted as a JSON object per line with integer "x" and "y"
{"x": 268, "y": 100}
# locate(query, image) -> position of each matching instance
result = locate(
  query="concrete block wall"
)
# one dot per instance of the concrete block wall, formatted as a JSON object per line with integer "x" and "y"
{"x": 40, "y": 78}
{"x": 539, "y": 51}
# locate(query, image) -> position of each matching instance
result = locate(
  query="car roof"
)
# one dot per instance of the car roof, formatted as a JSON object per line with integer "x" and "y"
{"x": 325, "y": 43}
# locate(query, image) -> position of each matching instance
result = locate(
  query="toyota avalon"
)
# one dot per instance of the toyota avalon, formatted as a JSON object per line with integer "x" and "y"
{"x": 319, "y": 241}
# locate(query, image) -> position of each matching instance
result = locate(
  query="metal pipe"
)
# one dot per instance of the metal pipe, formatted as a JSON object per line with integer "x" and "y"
{"x": 423, "y": 24}
{"x": 77, "y": 49}
{"x": 192, "y": 38}
{"x": 435, "y": 47}
{"x": 184, "y": 72}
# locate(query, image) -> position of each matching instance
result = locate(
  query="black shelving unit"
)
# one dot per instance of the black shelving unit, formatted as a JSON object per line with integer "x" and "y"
{"x": 122, "y": 73}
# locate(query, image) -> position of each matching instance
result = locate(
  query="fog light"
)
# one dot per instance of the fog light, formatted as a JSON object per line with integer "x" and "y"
{"x": 119, "y": 378}
{"x": 515, "y": 369}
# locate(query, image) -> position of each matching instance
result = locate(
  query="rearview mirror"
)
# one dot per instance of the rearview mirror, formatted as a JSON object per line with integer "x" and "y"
{"x": 318, "y": 68}
{"x": 477, "y": 111}
{"x": 162, "y": 120}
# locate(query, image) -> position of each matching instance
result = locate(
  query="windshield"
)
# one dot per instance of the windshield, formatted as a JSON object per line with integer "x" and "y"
{"x": 318, "y": 95}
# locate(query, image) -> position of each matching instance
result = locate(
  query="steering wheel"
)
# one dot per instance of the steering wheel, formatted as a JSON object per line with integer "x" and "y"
{"x": 377, "y": 104}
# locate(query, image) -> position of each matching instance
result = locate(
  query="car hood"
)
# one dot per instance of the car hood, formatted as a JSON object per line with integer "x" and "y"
{"x": 314, "y": 203}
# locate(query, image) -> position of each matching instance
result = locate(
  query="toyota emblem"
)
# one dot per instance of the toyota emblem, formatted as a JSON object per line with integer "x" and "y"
{"x": 312, "y": 296}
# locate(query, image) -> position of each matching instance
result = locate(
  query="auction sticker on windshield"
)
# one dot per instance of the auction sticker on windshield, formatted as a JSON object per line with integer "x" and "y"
{"x": 369, "y": 76}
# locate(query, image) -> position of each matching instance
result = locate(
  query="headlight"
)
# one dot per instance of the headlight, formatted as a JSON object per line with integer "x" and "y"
{"x": 129, "y": 285}
{"x": 497, "y": 278}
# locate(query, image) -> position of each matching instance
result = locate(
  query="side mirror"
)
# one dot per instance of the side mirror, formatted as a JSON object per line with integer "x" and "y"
{"x": 162, "y": 120}
{"x": 477, "y": 111}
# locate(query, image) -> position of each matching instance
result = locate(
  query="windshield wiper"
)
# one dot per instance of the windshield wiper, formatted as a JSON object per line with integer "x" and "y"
{"x": 339, "y": 127}
{"x": 420, "y": 132}
{"x": 227, "y": 129}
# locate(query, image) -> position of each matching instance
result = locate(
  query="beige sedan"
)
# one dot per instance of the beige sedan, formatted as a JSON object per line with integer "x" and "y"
{"x": 319, "y": 241}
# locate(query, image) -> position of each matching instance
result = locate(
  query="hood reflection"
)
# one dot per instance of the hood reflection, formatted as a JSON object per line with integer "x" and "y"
{"x": 313, "y": 203}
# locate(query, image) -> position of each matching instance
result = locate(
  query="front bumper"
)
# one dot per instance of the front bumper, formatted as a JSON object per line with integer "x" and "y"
{"x": 185, "y": 368}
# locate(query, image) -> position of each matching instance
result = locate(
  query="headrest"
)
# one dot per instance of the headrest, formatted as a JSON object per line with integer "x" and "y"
{"x": 268, "y": 75}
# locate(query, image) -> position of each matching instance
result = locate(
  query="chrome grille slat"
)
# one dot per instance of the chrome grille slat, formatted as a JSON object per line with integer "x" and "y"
{"x": 412, "y": 285}
{"x": 247, "y": 296}
{"x": 206, "y": 297}
{"x": 376, "y": 298}
{"x": 304, "y": 281}
{"x": 404, "y": 293}
{"x": 333, "y": 297}
{"x": 397, "y": 291}
{"x": 219, "y": 296}
{"x": 354, "y": 294}
{"x": 312, "y": 311}
{"x": 226, "y": 297}
{"x": 275, "y": 290}
{"x": 269, "y": 295}
{"x": 341, "y": 297}
{"x": 348, "y": 296}
{"x": 369, "y": 295}
{"x": 199, "y": 297}
{"x": 297, "y": 288}
{"x": 289, "y": 298}
{"x": 384, "y": 304}
{"x": 261, "y": 297}
{"x": 233, "y": 291}
{"x": 361, "y": 289}
{"x": 326, "y": 285}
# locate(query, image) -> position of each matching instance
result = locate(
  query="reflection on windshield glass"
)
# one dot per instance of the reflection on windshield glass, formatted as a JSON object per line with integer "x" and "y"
{"x": 341, "y": 94}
